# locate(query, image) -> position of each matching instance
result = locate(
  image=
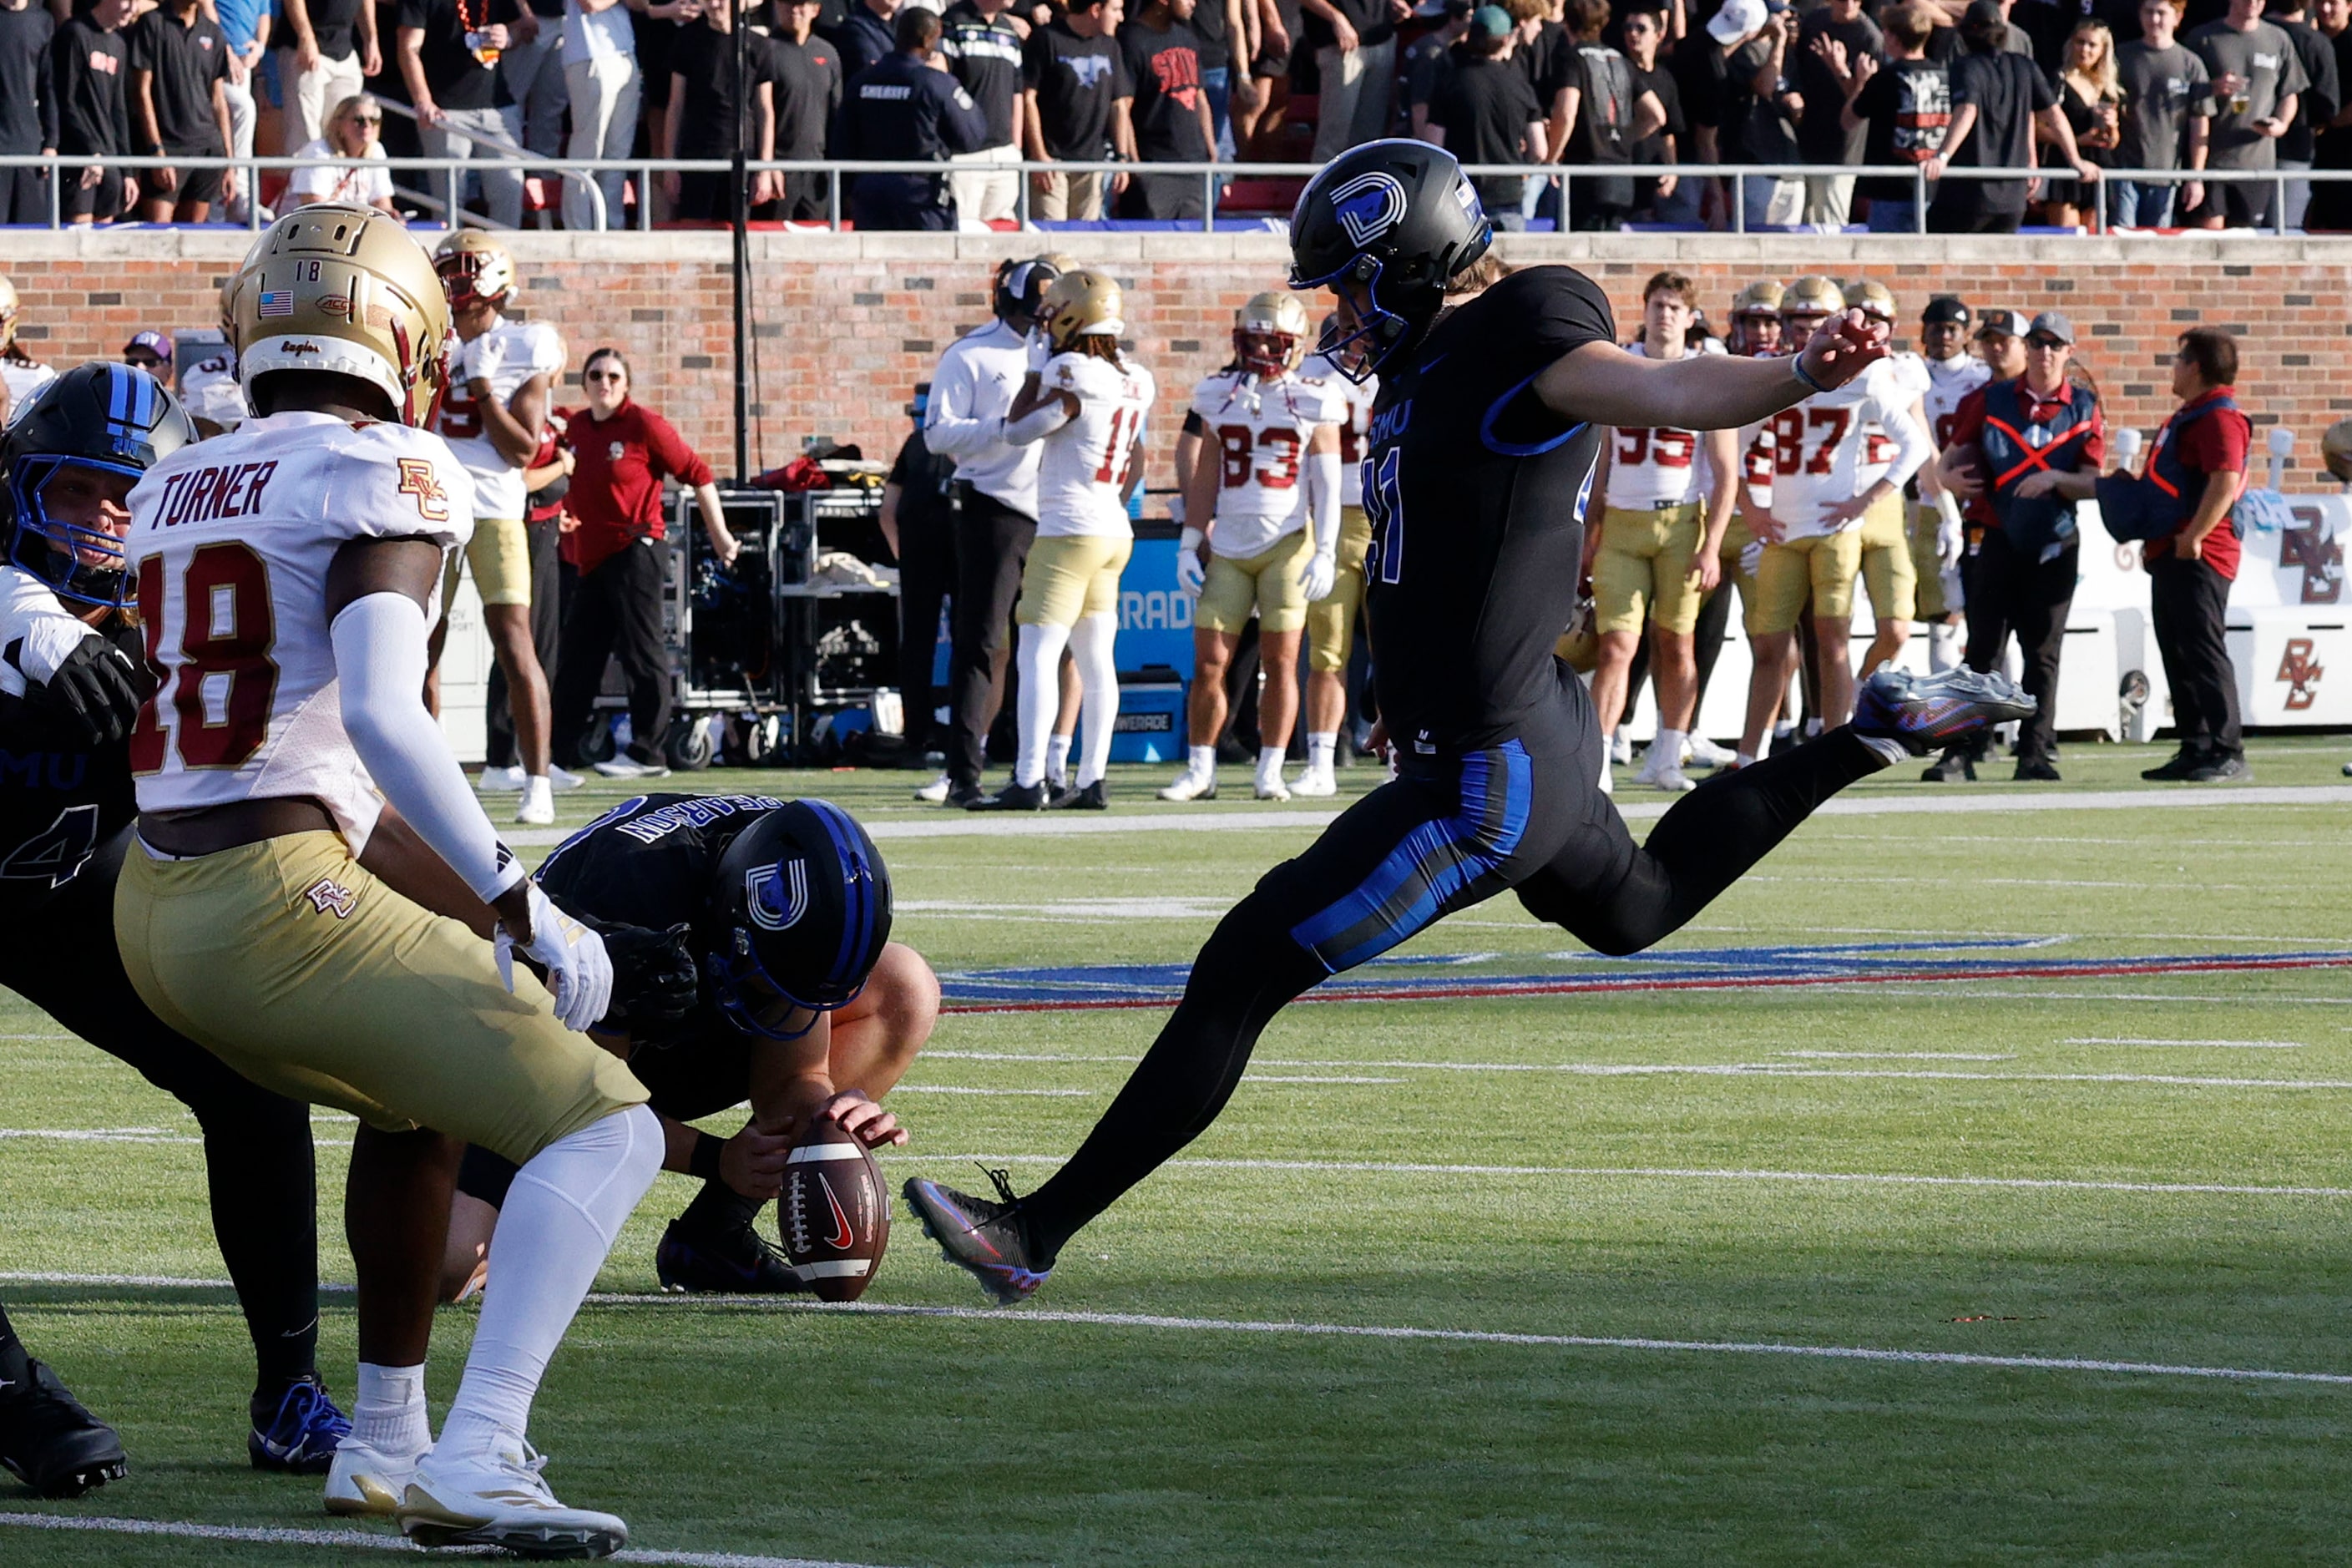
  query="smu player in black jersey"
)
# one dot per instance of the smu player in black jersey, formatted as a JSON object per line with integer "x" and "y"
{"x": 72, "y": 678}
{"x": 1495, "y": 397}
{"x": 752, "y": 961}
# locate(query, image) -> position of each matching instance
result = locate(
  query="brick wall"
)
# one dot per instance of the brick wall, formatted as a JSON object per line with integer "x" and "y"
{"x": 847, "y": 323}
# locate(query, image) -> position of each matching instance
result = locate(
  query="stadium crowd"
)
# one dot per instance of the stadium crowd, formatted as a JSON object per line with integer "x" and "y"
{"x": 1896, "y": 90}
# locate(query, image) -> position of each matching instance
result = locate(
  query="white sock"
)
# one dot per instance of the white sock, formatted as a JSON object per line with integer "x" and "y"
{"x": 1321, "y": 751}
{"x": 1890, "y": 750}
{"x": 388, "y": 1412}
{"x": 1746, "y": 760}
{"x": 1782, "y": 730}
{"x": 1201, "y": 761}
{"x": 1666, "y": 751}
{"x": 1812, "y": 728}
{"x": 560, "y": 1219}
{"x": 1058, "y": 756}
{"x": 1091, "y": 647}
{"x": 1039, "y": 659}
{"x": 1944, "y": 647}
{"x": 537, "y": 788}
{"x": 1269, "y": 761}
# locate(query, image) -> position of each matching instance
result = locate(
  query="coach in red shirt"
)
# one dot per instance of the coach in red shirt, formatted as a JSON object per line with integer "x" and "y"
{"x": 2197, "y": 467}
{"x": 622, "y": 452}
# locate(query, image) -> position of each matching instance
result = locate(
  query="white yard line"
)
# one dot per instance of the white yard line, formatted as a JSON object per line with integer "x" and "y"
{"x": 346, "y": 1540}
{"x": 2195, "y": 1044}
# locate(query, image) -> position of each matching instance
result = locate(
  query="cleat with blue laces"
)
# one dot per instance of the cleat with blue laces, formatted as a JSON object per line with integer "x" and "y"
{"x": 1923, "y": 712}
{"x": 983, "y": 1236}
{"x": 702, "y": 1260}
{"x": 301, "y": 1436}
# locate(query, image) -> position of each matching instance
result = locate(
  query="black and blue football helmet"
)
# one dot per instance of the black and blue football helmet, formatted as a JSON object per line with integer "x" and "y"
{"x": 113, "y": 418}
{"x": 1392, "y": 221}
{"x": 799, "y": 917}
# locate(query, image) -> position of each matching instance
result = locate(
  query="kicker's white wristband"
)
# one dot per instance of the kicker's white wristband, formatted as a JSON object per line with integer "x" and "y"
{"x": 1037, "y": 424}
{"x": 1323, "y": 499}
{"x": 380, "y": 660}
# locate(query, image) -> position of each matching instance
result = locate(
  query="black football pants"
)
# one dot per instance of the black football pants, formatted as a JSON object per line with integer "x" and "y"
{"x": 257, "y": 1144}
{"x": 927, "y": 581}
{"x": 546, "y": 627}
{"x": 1447, "y": 833}
{"x": 992, "y": 547}
{"x": 615, "y": 613}
{"x": 2188, "y": 602}
{"x": 2010, "y": 595}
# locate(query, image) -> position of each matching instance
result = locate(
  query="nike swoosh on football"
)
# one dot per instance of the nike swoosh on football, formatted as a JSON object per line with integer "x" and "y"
{"x": 843, "y": 1237}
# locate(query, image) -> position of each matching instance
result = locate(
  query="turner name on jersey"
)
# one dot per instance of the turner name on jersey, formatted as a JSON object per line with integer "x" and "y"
{"x": 230, "y": 541}
{"x": 1261, "y": 429}
{"x": 1082, "y": 475}
{"x": 506, "y": 356}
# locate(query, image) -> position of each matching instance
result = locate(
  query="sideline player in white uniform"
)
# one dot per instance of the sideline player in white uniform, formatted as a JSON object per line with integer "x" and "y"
{"x": 1938, "y": 537}
{"x": 1823, "y": 486}
{"x": 1264, "y": 495}
{"x": 1087, "y": 406}
{"x": 209, "y": 388}
{"x": 21, "y": 375}
{"x": 1666, "y": 497}
{"x": 492, "y": 417}
{"x": 284, "y": 574}
{"x": 1331, "y": 619}
{"x": 1887, "y": 571}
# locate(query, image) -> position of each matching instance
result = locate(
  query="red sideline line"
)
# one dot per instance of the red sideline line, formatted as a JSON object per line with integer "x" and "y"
{"x": 1724, "y": 983}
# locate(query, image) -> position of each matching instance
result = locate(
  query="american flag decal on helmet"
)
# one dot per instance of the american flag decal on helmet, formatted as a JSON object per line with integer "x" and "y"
{"x": 276, "y": 302}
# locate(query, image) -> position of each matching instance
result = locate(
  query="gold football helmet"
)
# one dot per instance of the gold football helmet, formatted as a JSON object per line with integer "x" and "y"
{"x": 2335, "y": 450}
{"x": 475, "y": 268}
{"x": 1812, "y": 295}
{"x": 1872, "y": 297}
{"x": 1270, "y": 335}
{"x": 1078, "y": 303}
{"x": 338, "y": 287}
{"x": 1761, "y": 298}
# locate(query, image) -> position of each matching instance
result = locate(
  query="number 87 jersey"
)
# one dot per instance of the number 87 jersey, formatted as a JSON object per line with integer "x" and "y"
{"x": 230, "y": 541}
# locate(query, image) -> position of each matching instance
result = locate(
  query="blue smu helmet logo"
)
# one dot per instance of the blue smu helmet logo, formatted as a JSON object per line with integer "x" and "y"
{"x": 1369, "y": 206}
{"x": 777, "y": 895}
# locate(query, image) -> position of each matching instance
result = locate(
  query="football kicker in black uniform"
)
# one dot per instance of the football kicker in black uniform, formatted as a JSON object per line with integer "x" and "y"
{"x": 751, "y": 959}
{"x": 72, "y": 676}
{"x": 1477, "y": 468}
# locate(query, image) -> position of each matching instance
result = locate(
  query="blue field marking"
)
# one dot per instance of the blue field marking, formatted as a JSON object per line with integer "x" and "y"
{"x": 1417, "y": 976}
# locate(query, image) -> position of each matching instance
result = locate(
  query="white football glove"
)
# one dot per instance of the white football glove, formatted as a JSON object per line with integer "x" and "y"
{"x": 579, "y": 971}
{"x": 1190, "y": 574}
{"x": 1321, "y": 573}
{"x": 1751, "y": 556}
{"x": 1951, "y": 534}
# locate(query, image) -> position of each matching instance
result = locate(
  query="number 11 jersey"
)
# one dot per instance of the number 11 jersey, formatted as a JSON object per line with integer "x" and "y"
{"x": 230, "y": 541}
{"x": 1083, "y": 472}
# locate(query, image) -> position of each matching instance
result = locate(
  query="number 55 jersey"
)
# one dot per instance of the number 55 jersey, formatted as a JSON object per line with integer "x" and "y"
{"x": 230, "y": 541}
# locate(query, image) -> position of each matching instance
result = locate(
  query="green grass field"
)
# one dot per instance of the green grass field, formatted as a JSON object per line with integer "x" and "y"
{"x": 2146, "y": 1168}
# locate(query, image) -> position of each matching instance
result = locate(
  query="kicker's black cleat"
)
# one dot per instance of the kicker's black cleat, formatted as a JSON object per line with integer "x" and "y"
{"x": 1081, "y": 797}
{"x": 1012, "y": 797}
{"x": 1922, "y": 712}
{"x": 50, "y": 1442}
{"x": 703, "y": 1260}
{"x": 983, "y": 1236}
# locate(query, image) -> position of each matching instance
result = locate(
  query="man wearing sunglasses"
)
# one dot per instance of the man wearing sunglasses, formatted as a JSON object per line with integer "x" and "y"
{"x": 751, "y": 961}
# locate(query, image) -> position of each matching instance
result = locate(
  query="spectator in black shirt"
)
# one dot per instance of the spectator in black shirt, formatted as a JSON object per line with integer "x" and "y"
{"x": 2331, "y": 201}
{"x": 28, "y": 108}
{"x": 458, "y": 96}
{"x": 1486, "y": 113}
{"x": 1074, "y": 80}
{"x": 1168, "y": 119}
{"x": 806, "y": 90}
{"x": 2319, "y": 103}
{"x": 1998, "y": 100}
{"x": 1829, "y": 44}
{"x": 1753, "y": 115}
{"x": 867, "y": 35}
{"x": 1659, "y": 198}
{"x": 179, "y": 77}
{"x": 1222, "y": 29}
{"x": 1355, "y": 57}
{"x": 702, "y": 122}
{"x": 1904, "y": 108}
{"x": 982, "y": 46}
{"x": 906, "y": 105}
{"x": 89, "y": 73}
{"x": 919, "y": 523}
{"x": 1701, "y": 65}
{"x": 330, "y": 51}
{"x": 1430, "y": 61}
{"x": 1600, "y": 116}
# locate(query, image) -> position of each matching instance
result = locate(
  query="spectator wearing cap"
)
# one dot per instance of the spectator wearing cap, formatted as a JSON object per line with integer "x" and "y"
{"x": 1832, "y": 45}
{"x": 1486, "y": 113}
{"x": 1902, "y": 109}
{"x": 2167, "y": 105}
{"x": 151, "y": 351}
{"x": 1430, "y": 61}
{"x": 1938, "y": 535}
{"x": 2029, "y": 558}
{"x": 1757, "y": 117}
{"x": 1355, "y": 56}
{"x": 2257, "y": 80}
{"x": 2181, "y": 504}
{"x": 1999, "y": 100}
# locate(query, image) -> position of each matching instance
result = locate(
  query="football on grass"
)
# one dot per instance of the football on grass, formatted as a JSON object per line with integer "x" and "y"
{"x": 834, "y": 1214}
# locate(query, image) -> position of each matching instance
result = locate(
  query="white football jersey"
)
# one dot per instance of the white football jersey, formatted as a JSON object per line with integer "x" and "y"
{"x": 1949, "y": 380}
{"x": 1906, "y": 375}
{"x": 210, "y": 390}
{"x": 1259, "y": 431}
{"x": 23, "y": 380}
{"x": 230, "y": 541}
{"x": 1083, "y": 475}
{"x": 506, "y": 356}
{"x": 1650, "y": 466}
{"x": 1822, "y": 450}
{"x": 1358, "y": 396}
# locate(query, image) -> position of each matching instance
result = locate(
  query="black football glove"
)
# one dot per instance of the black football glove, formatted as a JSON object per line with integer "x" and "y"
{"x": 656, "y": 981}
{"x": 98, "y": 690}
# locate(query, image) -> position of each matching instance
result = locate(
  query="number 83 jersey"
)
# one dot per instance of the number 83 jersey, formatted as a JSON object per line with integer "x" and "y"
{"x": 230, "y": 541}
{"x": 1260, "y": 429}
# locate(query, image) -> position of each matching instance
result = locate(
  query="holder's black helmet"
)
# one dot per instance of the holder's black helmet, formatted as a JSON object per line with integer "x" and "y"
{"x": 800, "y": 913}
{"x": 1397, "y": 218}
{"x": 114, "y": 417}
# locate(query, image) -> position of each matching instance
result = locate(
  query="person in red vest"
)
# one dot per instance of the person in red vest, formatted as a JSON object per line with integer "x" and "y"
{"x": 2004, "y": 433}
{"x": 2180, "y": 506}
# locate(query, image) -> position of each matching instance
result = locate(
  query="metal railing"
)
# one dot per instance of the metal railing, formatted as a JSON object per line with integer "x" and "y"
{"x": 1212, "y": 177}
